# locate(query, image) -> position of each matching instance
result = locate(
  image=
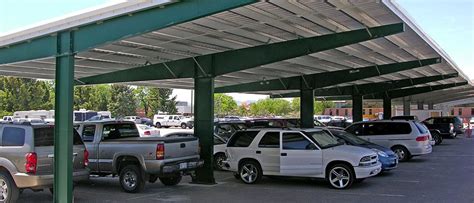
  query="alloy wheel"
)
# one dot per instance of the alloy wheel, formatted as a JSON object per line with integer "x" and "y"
{"x": 3, "y": 190}
{"x": 130, "y": 179}
{"x": 249, "y": 173}
{"x": 220, "y": 161}
{"x": 400, "y": 154}
{"x": 339, "y": 177}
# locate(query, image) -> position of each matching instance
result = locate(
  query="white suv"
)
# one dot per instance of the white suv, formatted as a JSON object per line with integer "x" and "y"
{"x": 405, "y": 138}
{"x": 311, "y": 153}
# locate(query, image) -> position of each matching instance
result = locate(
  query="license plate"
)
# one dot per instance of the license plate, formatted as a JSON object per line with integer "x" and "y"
{"x": 183, "y": 165}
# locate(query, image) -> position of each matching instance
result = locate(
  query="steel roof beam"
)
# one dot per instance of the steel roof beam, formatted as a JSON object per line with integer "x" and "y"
{"x": 94, "y": 34}
{"x": 370, "y": 88}
{"x": 241, "y": 59}
{"x": 413, "y": 91}
{"x": 325, "y": 79}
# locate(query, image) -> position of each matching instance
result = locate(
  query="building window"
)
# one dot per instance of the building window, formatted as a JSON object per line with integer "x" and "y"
{"x": 363, "y": 111}
{"x": 330, "y": 112}
{"x": 460, "y": 111}
{"x": 337, "y": 112}
{"x": 346, "y": 112}
{"x": 370, "y": 111}
{"x": 472, "y": 111}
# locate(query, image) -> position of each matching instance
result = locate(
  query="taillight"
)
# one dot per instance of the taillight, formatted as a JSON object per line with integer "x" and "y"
{"x": 86, "y": 158}
{"x": 147, "y": 132}
{"x": 31, "y": 162}
{"x": 160, "y": 151}
{"x": 422, "y": 138}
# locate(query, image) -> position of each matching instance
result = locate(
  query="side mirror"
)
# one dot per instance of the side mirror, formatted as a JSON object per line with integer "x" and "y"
{"x": 312, "y": 146}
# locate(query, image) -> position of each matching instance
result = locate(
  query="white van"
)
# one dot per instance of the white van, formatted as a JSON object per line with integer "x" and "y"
{"x": 167, "y": 120}
{"x": 405, "y": 138}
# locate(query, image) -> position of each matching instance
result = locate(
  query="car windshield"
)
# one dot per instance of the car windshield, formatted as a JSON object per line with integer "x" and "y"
{"x": 349, "y": 137}
{"x": 323, "y": 139}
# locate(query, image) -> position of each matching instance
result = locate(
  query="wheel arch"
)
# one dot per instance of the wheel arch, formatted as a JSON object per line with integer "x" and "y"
{"x": 332, "y": 163}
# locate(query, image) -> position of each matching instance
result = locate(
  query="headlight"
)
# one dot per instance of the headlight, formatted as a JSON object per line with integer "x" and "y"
{"x": 365, "y": 159}
{"x": 380, "y": 153}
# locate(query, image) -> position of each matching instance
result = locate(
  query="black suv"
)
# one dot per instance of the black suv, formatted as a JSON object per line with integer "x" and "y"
{"x": 449, "y": 126}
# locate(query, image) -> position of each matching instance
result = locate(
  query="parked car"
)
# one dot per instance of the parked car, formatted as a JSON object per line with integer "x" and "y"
{"x": 225, "y": 129}
{"x": 134, "y": 119}
{"x": 448, "y": 126}
{"x": 278, "y": 123}
{"x": 98, "y": 118}
{"x": 138, "y": 159}
{"x": 187, "y": 123}
{"x": 323, "y": 118}
{"x": 219, "y": 147}
{"x": 339, "y": 123}
{"x": 7, "y": 119}
{"x": 27, "y": 153}
{"x": 147, "y": 131}
{"x": 435, "y": 136}
{"x": 405, "y": 138}
{"x": 313, "y": 153}
{"x": 146, "y": 121}
{"x": 386, "y": 156}
{"x": 167, "y": 121}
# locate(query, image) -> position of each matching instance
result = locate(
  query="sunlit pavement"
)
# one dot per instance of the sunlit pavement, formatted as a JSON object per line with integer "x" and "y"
{"x": 446, "y": 175}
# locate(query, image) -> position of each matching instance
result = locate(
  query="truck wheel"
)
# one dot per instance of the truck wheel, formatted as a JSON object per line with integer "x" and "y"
{"x": 8, "y": 190}
{"x": 170, "y": 181}
{"x": 402, "y": 153}
{"x": 219, "y": 161}
{"x": 340, "y": 176}
{"x": 250, "y": 172}
{"x": 183, "y": 125}
{"x": 131, "y": 179}
{"x": 438, "y": 138}
{"x": 158, "y": 124}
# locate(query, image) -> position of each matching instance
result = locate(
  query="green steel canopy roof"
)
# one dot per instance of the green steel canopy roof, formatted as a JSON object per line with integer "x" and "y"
{"x": 259, "y": 23}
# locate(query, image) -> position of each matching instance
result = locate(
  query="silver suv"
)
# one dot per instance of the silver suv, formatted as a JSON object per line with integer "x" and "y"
{"x": 405, "y": 138}
{"x": 26, "y": 159}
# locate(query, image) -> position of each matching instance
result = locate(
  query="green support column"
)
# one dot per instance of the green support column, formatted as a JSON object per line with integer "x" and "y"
{"x": 203, "y": 127}
{"x": 357, "y": 106}
{"x": 63, "y": 118}
{"x": 387, "y": 108}
{"x": 307, "y": 108}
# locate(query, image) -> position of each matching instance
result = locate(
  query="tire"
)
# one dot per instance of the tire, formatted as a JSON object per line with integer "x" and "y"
{"x": 402, "y": 153}
{"x": 437, "y": 137}
{"x": 8, "y": 185}
{"x": 218, "y": 161}
{"x": 250, "y": 172}
{"x": 183, "y": 125}
{"x": 236, "y": 176}
{"x": 131, "y": 179}
{"x": 158, "y": 124}
{"x": 340, "y": 176}
{"x": 171, "y": 181}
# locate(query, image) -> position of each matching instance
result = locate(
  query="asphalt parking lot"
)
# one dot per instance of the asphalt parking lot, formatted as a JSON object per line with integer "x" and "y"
{"x": 446, "y": 175}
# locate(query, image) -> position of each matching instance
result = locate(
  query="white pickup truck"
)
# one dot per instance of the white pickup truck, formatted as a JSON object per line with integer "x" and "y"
{"x": 313, "y": 153}
{"x": 172, "y": 121}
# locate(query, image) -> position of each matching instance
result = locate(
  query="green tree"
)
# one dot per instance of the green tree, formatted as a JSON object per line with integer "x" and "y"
{"x": 320, "y": 106}
{"x": 160, "y": 100}
{"x": 270, "y": 107}
{"x": 224, "y": 105}
{"x": 83, "y": 97}
{"x": 141, "y": 95}
{"x": 100, "y": 97}
{"x": 122, "y": 101}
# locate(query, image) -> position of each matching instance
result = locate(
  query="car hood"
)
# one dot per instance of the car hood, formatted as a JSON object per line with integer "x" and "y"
{"x": 375, "y": 146}
{"x": 353, "y": 150}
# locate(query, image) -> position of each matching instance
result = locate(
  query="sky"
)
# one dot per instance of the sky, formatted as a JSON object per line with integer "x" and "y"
{"x": 450, "y": 23}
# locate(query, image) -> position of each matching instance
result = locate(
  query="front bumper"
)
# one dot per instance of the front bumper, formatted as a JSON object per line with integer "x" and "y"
{"x": 388, "y": 163}
{"x": 176, "y": 167}
{"x": 24, "y": 180}
{"x": 367, "y": 171}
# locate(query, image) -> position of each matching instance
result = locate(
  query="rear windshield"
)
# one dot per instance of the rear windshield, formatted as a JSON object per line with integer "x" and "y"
{"x": 122, "y": 130}
{"x": 45, "y": 137}
{"x": 445, "y": 120}
{"x": 421, "y": 128}
{"x": 242, "y": 138}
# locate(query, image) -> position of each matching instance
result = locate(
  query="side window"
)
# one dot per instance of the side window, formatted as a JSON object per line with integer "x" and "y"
{"x": 429, "y": 121}
{"x": 170, "y": 118}
{"x": 355, "y": 129}
{"x": 88, "y": 133}
{"x": 13, "y": 136}
{"x": 242, "y": 139}
{"x": 117, "y": 131}
{"x": 224, "y": 129}
{"x": 295, "y": 141}
{"x": 218, "y": 141}
{"x": 270, "y": 140}
{"x": 373, "y": 129}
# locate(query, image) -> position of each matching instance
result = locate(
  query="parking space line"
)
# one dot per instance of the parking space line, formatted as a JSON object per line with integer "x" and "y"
{"x": 406, "y": 181}
{"x": 369, "y": 194}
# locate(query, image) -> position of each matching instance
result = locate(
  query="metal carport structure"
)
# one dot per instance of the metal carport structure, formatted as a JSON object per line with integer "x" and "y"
{"x": 202, "y": 44}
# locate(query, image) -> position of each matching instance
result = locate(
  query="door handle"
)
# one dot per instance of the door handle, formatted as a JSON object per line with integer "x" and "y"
{"x": 258, "y": 152}
{"x": 183, "y": 145}
{"x": 283, "y": 154}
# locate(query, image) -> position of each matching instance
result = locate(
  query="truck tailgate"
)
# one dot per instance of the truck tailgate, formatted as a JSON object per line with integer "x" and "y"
{"x": 181, "y": 148}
